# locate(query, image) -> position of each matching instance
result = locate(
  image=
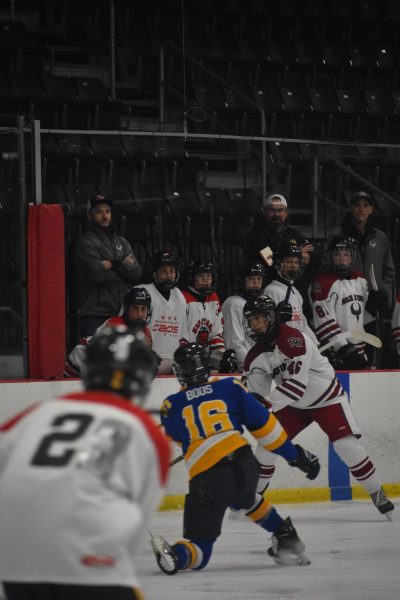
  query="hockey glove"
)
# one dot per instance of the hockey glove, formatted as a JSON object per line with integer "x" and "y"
{"x": 306, "y": 462}
{"x": 262, "y": 400}
{"x": 285, "y": 311}
{"x": 349, "y": 359}
{"x": 228, "y": 362}
{"x": 156, "y": 362}
{"x": 377, "y": 300}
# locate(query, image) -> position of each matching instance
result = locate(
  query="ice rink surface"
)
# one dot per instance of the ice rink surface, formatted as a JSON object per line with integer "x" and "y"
{"x": 354, "y": 552}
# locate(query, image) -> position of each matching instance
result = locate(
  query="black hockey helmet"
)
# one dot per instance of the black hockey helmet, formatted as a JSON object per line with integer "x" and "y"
{"x": 341, "y": 243}
{"x": 263, "y": 305}
{"x": 164, "y": 258}
{"x": 137, "y": 296}
{"x": 199, "y": 265}
{"x": 288, "y": 249}
{"x": 120, "y": 361}
{"x": 252, "y": 268}
{"x": 190, "y": 365}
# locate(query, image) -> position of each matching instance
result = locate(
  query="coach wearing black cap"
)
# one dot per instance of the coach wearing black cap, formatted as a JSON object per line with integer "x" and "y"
{"x": 106, "y": 267}
{"x": 375, "y": 256}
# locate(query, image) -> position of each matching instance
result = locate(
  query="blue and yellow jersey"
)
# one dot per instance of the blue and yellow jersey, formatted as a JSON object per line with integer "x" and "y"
{"x": 207, "y": 422}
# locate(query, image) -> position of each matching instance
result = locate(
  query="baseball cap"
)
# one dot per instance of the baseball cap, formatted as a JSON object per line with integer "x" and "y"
{"x": 362, "y": 196}
{"x": 96, "y": 200}
{"x": 273, "y": 200}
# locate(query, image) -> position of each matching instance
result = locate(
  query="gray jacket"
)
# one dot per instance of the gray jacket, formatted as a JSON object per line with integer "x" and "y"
{"x": 102, "y": 290}
{"x": 374, "y": 249}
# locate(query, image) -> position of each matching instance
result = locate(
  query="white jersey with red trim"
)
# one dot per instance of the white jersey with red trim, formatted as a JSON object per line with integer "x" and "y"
{"x": 338, "y": 305}
{"x": 395, "y": 324}
{"x": 205, "y": 322}
{"x": 278, "y": 292}
{"x": 77, "y": 355}
{"x": 303, "y": 377}
{"x": 168, "y": 323}
{"x": 80, "y": 478}
{"x": 235, "y": 337}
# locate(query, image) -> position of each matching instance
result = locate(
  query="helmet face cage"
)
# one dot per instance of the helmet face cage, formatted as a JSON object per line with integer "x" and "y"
{"x": 165, "y": 258}
{"x": 342, "y": 244}
{"x": 137, "y": 296}
{"x": 263, "y": 305}
{"x": 191, "y": 365}
{"x": 253, "y": 268}
{"x": 120, "y": 361}
{"x": 290, "y": 249}
{"x": 197, "y": 266}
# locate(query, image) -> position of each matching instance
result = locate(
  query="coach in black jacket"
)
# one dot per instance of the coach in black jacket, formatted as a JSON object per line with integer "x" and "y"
{"x": 272, "y": 232}
{"x": 106, "y": 267}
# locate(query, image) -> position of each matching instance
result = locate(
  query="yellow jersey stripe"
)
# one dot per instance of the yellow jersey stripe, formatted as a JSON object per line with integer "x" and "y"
{"x": 213, "y": 455}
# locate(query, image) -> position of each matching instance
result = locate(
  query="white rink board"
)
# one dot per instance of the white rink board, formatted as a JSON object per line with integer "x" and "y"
{"x": 374, "y": 397}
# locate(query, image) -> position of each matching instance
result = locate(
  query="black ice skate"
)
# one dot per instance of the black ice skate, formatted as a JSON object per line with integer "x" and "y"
{"x": 383, "y": 504}
{"x": 164, "y": 554}
{"x": 287, "y": 548}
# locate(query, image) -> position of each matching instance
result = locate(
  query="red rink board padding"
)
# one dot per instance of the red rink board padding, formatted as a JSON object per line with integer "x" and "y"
{"x": 46, "y": 291}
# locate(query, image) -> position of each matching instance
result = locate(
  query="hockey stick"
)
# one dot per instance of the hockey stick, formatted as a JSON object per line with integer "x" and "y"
{"x": 377, "y": 355}
{"x": 267, "y": 254}
{"x": 362, "y": 336}
{"x": 176, "y": 460}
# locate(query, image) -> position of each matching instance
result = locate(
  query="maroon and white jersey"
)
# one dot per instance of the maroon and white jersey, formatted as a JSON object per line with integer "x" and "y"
{"x": 168, "y": 323}
{"x": 278, "y": 292}
{"x": 204, "y": 321}
{"x": 395, "y": 324}
{"x": 303, "y": 377}
{"x": 338, "y": 305}
{"x": 80, "y": 478}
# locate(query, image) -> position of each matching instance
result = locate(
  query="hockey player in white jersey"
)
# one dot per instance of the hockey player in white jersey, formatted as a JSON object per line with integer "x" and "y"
{"x": 338, "y": 297}
{"x": 288, "y": 266}
{"x": 136, "y": 314}
{"x": 80, "y": 478}
{"x": 204, "y": 315}
{"x": 168, "y": 323}
{"x": 306, "y": 391}
{"x": 252, "y": 278}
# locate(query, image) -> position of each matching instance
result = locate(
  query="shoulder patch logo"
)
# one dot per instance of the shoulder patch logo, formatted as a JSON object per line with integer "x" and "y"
{"x": 316, "y": 286}
{"x": 295, "y": 342}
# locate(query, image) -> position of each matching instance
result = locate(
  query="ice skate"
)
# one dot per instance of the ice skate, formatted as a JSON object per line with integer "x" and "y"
{"x": 287, "y": 548}
{"x": 383, "y": 504}
{"x": 164, "y": 554}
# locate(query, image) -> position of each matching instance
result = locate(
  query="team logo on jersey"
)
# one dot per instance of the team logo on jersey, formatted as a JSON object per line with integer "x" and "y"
{"x": 355, "y": 309}
{"x": 91, "y": 560}
{"x": 202, "y": 331}
{"x": 166, "y": 327}
{"x": 202, "y": 336}
{"x": 295, "y": 342}
{"x": 317, "y": 288}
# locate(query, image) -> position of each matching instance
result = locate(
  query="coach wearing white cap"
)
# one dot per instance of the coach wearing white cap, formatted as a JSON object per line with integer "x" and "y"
{"x": 274, "y": 230}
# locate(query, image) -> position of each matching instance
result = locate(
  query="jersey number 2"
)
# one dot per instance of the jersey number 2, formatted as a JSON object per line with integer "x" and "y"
{"x": 45, "y": 455}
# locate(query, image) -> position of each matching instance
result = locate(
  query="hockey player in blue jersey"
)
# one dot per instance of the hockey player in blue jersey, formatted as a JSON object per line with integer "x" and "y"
{"x": 207, "y": 419}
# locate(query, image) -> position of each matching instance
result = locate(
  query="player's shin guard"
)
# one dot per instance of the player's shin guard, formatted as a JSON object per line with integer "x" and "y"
{"x": 266, "y": 461}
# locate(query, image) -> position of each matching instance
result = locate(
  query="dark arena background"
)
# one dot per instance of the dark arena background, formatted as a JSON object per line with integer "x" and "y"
{"x": 186, "y": 113}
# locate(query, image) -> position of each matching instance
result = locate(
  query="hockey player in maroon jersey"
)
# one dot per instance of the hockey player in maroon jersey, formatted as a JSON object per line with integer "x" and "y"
{"x": 204, "y": 315}
{"x": 338, "y": 298}
{"x": 306, "y": 391}
{"x": 80, "y": 478}
{"x": 136, "y": 314}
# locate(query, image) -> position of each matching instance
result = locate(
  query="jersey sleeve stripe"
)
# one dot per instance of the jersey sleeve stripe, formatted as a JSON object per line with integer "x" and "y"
{"x": 7, "y": 425}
